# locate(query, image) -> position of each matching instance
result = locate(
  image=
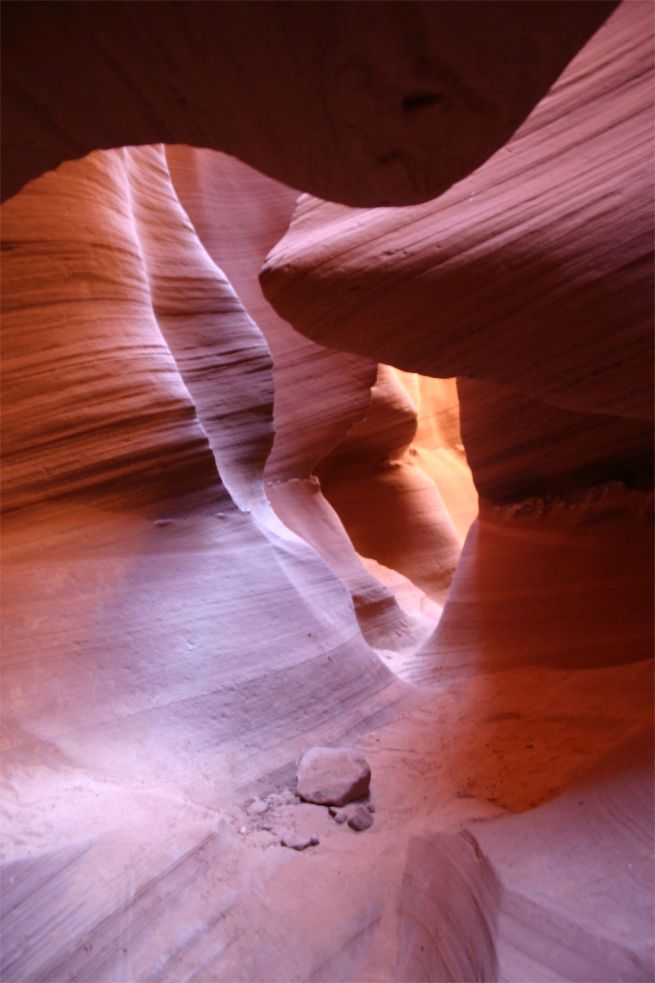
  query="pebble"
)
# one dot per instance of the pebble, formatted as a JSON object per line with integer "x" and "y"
{"x": 361, "y": 811}
{"x": 360, "y": 818}
{"x": 256, "y": 807}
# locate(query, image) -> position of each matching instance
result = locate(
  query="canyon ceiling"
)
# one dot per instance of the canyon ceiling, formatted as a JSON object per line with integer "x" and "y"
{"x": 327, "y": 420}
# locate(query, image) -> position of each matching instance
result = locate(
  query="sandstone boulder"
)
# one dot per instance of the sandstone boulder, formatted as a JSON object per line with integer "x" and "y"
{"x": 333, "y": 776}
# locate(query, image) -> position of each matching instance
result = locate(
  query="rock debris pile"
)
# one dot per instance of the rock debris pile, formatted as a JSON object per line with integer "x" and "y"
{"x": 340, "y": 779}
{"x": 358, "y": 816}
{"x": 336, "y": 777}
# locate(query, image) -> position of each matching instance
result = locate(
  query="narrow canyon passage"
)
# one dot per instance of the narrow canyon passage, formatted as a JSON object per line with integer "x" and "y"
{"x": 371, "y": 469}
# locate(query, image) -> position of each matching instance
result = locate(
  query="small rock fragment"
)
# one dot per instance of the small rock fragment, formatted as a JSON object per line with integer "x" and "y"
{"x": 285, "y": 797}
{"x": 333, "y": 776}
{"x": 360, "y": 818}
{"x": 256, "y": 807}
{"x": 296, "y": 842}
{"x": 314, "y": 840}
{"x": 343, "y": 815}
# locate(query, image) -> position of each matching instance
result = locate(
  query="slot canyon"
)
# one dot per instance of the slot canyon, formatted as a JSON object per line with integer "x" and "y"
{"x": 327, "y": 399}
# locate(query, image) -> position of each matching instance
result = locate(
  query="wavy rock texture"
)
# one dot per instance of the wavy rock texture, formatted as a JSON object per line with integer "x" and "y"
{"x": 132, "y": 370}
{"x": 238, "y": 215}
{"x": 220, "y": 537}
{"x": 526, "y": 920}
{"x": 559, "y": 221}
{"x": 532, "y": 280}
{"x": 130, "y": 572}
{"x": 390, "y": 505}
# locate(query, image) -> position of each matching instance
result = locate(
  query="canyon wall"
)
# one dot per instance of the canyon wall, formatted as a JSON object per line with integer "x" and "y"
{"x": 389, "y": 109}
{"x": 281, "y": 470}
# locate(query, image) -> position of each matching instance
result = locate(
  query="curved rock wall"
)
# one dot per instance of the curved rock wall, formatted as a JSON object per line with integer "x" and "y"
{"x": 138, "y": 670}
{"x": 368, "y": 110}
{"x": 534, "y": 272}
{"x": 187, "y": 480}
{"x": 391, "y": 507}
{"x": 320, "y": 394}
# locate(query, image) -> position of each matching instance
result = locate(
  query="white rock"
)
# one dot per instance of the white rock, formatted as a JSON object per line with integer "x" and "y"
{"x": 333, "y": 775}
{"x": 257, "y": 807}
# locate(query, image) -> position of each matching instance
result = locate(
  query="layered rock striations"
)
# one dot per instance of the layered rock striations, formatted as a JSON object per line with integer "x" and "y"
{"x": 561, "y": 397}
{"x": 238, "y": 214}
{"x": 138, "y": 673}
{"x": 534, "y": 272}
{"x": 227, "y": 542}
{"x": 532, "y": 280}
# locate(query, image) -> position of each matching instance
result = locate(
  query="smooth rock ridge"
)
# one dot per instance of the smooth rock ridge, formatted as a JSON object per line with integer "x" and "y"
{"x": 333, "y": 776}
